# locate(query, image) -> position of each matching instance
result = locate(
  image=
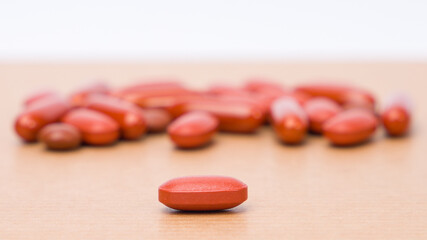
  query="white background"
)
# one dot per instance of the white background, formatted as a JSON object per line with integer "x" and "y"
{"x": 220, "y": 29}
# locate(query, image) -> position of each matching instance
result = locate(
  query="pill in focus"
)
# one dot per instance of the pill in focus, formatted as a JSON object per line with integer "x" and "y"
{"x": 203, "y": 193}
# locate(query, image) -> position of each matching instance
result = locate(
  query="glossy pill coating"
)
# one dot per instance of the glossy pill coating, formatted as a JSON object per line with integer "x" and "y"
{"x": 39, "y": 114}
{"x": 157, "y": 119}
{"x": 160, "y": 95}
{"x": 350, "y": 127}
{"x": 128, "y": 115}
{"x": 264, "y": 86}
{"x": 345, "y": 95}
{"x": 60, "y": 136}
{"x": 289, "y": 120}
{"x": 78, "y": 98}
{"x": 148, "y": 85}
{"x": 319, "y": 110}
{"x": 203, "y": 193}
{"x": 39, "y": 95}
{"x": 234, "y": 94}
{"x": 96, "y": 128}
{"x": 274, "y": 90}
{"x": 234, "y": 115}
{"x": 396, "y": 115}
{"x": 193, "y": 129}
{"x": 225, "y": 89}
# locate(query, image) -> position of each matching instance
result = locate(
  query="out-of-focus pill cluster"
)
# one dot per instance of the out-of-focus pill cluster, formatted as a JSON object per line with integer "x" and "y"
{"x": 99, "y": 115}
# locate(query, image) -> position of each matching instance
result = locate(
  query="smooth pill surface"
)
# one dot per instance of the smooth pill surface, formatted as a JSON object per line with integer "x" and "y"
{"x": 203, "y": 193}
{"x": 300, "y": 97}
{"x": 157, "y": 120}
{"x": 396, "y": 115}
{"x": 148, "y": 85}
{"x": 60, "y": 136}
{"x": 234, "y": 115}
{"x": 350, "y": 127}
{"x": 128, "y": 115}
{"x": 39, "y": 114}
{"x": 289, "y": 120}
{"x": 193, "y": 129}
{"x": 39, "y": 95}
{"x": 157, "y": 96}
{"x": 239, "y": 94}
{"x": 97, "y": 128}
{"x": 346, "y": 95}
{"x": 78, "y": 97}
{"x": 264, "y": 86}
{"x": 319, "y": 110}
{"x": 224, "y": 89}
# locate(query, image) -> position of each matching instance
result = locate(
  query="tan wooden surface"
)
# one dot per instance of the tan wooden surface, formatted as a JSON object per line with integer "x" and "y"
{"x": 315, "y": 191}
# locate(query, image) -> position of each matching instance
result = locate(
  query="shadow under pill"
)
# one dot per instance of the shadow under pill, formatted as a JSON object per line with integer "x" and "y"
{"x": 357, "y": 145}
{"x": 280, "y": 143}
{"x": 199, "y": 148}
{"x": 101, "y": 146}
{"x": 46, "y": 149}
{"x": 235, "y": 210}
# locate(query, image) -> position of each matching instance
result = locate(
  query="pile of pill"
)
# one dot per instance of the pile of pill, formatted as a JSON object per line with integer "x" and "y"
{"x": 98, "y": 115}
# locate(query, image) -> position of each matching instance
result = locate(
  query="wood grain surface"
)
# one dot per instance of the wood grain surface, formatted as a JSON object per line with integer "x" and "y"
{"x": 314, "y": 191}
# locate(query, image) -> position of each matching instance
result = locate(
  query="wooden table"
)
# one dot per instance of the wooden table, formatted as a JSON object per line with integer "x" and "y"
{"x": 315, "y": 191}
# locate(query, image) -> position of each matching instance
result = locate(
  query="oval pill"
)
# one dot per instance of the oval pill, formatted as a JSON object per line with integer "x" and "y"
{"x": 155, "y": 95}
{"x": 289, "y": 120}
{"x": 203, "y": 193}
{"x": 319, "y": 110}
{"x": 396, "y": 115}
{"x": 78, "y": 97}
{"x": 264, "y": 86}
{"x": 128, "y": 115}
{"x": 60, "y": 136}
{"x": 234, "y": 115}
{"x": 39, "y": 114}
{"x": 226, "y": 92}
{"x": 346, "y": 95}
{"x": 148, "y": 85}
{"x": 157, "y": 119}
{"x": 350, "y": 127}
{"x": 39, "y": 95}
{"x": 193, "y": 129}
{"x": 97, "y": 128}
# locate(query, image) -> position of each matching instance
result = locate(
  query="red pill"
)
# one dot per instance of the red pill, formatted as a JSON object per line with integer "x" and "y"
{"x": 157, "y": 119}
{"x": 300, "y": 97}
{"x": 233, "y": 116}
{"x": 265, "y": 86}
{"x": 39, "y": 114}
{"x": 224, "y": 89}
{"x": 274, "y": 90}
{"x": 228, "y": 93}
{"x": 203, "y": 193}
{"x": 396, "y": 116}
{"x": 60, "y": 136}
{"x": 148, "y": 85}
{"x": 128, "y": 115}
{"x": 350, "y": 127}
{"x": 193, "y": 129}
{"x": 155, "y": 95}
{"x": 78, "y": 98}
{"x": 289, "y": 120}
{"x": 348, "y": 96}
{"x": 39, "y": 95}
{"x": 97, "y": 128}
{"x": 319, "y": 110}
